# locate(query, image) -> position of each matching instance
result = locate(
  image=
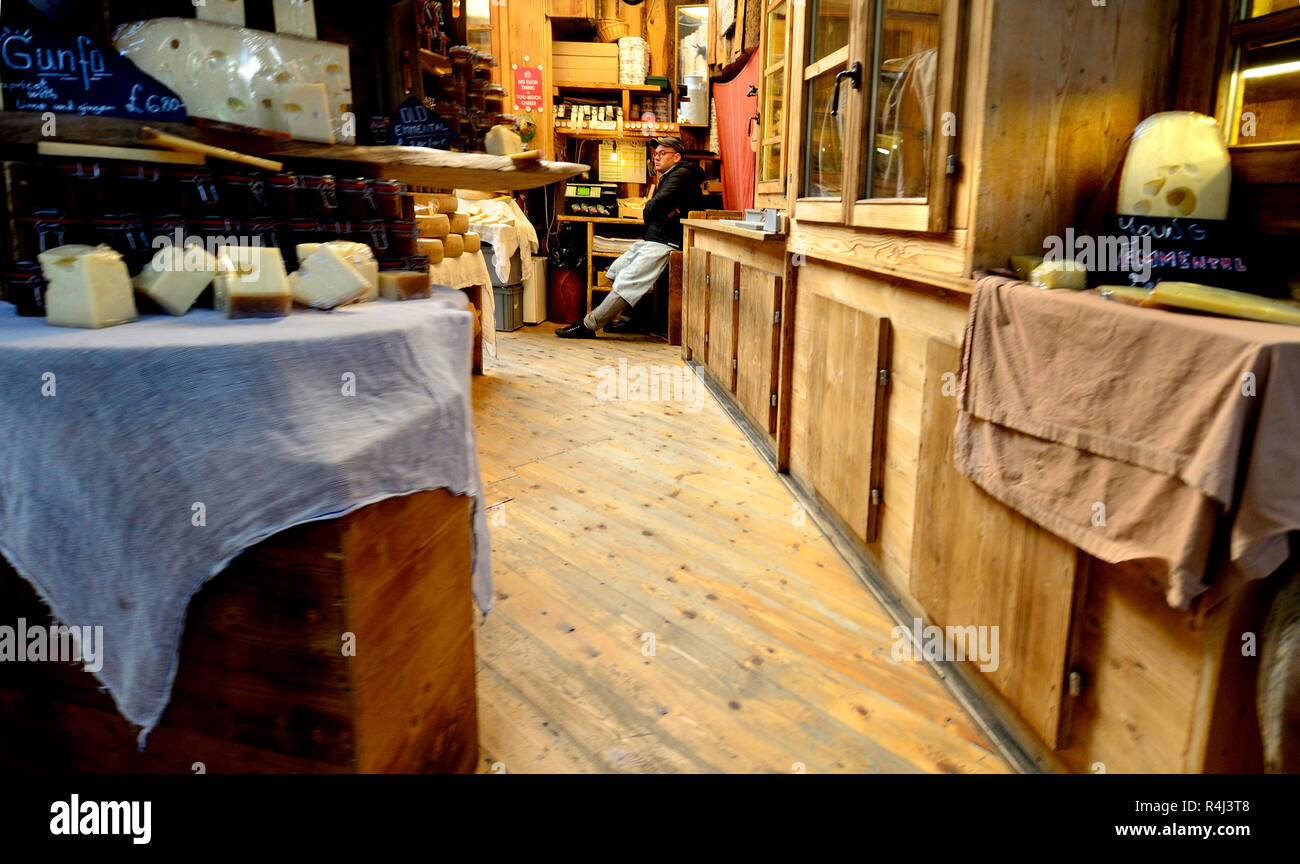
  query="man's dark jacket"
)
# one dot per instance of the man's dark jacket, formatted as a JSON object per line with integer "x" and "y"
{"x": 677, "y": 194}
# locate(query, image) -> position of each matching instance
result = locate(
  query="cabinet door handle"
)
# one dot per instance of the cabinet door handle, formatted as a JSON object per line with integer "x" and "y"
{"x": 854, "y": 74}
{"x": 749, "y": 127}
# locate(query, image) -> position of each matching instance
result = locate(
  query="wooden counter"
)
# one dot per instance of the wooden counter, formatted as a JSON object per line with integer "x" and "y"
{"x": 263, "y": 684}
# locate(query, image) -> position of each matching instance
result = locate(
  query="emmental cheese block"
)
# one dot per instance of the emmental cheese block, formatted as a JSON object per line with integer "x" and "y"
{"x": 405, "y": 284}
{"x": 175, "y": 277}
{"x": 87, "y": 286}
{"x": 1060, "y": 274}
{"x": 459, "y": 222}
{"x": 453, "y": 246}
{"x": 431, "y": 248}
{"x": 230, "y": 12}
{"x": 251, "y": 283}
{"x": 305, "y": 110}
{"x": 359, "y": 255}
{"x": 472, "y": 242}
{"x": 236, "y": 75}
{"x": 1221, "y": 301}
{"x": 1177, "y": 167}
{"x": 324, "y": 280}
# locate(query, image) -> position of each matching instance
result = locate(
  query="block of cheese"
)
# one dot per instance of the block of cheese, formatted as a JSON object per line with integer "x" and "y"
{"x": 1221, "y": 301}
{"x": 296, "y": 17}
{"x": 359, "y": 255}
{"x": 229, "y": 12}
{"x": 251, "y": 283}
{"x": 1024, "y": 265}
{"x": 1177, "y": 166}
{"x": 459, "y": 222}
{"x": 237, "y": 75}
{"x": 325, "y": 280}
{"x": 1127, "y": 294}
{"x": 306, "y": 111}
{"x": 436, "y": 225}
{"x": 86, "y": 286}
{"x": 405, "y": 284}
{"x": 431, "y": 248}
{"x": 175, "y": 277}
{"x": 453, "y": 245}
{"x": 472, "y": 242}
{"x": 1060, "y": 274}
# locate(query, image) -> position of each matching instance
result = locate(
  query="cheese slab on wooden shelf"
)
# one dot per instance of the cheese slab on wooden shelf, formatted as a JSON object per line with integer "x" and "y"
{"x": 1060, "y": 274}
{"x": 405, "y": 284}
{"x": 87, "y": 286}
{"x": 1221, "y": 301}
{"x": 1177, "y": 167}
{"x": 251, "y": 283}
{"x": 324, "y": 280}
{"x": 175, "y": 277}
{"x": 236, "y": 75}
{"x": 359, "y": 255}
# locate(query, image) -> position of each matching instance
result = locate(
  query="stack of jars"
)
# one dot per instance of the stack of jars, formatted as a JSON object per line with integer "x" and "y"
{"x": 467, "y": 101}
{"x": 140, "y": 208}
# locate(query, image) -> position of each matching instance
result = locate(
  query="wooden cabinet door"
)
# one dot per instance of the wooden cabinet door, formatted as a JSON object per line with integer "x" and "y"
{"x": 757, "y": 351}
{"x": 696, "y": 301}
{"x": 724, "y": 279}
{"x": 846, "y": 410}
{"x": 977, "y": 562}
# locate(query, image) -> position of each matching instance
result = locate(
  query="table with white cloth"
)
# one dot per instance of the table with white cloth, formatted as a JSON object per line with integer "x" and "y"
{"x": 468, "y": 272}
{"x": 139, "y": 461}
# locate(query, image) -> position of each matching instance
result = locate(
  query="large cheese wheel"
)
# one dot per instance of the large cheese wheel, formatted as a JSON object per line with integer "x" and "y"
{"x": 459, "y": 223}
{"x": 444, "y": 203}
{"x": 432, "y": 248}
{"x": 453, "y": 245}
{"x": 472, "y": 242}
{"x": 437, "y": 225}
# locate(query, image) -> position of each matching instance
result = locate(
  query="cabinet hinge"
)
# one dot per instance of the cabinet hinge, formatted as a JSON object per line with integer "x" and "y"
{"x": 708, "y": 279}
{"x": 773, "y": 400}
{"x": 735, "y": 293}
{"x": 778, "y": 316}
{"x": 706, "y": 338}
{"x": 875, "y": 496}
{"x": 884, "y": 377}
{"x": 950, "y": 167}
{"x": 733, "y": 362}
{"x": 1075, "y": 682}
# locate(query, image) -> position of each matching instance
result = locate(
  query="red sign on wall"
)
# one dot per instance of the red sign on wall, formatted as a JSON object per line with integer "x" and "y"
{"x": 528, "y": 88}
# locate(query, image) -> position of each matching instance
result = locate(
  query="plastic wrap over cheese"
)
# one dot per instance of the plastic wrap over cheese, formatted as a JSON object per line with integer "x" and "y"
{"x": 1177, "y": 167}
{"x": 250, "y": 77}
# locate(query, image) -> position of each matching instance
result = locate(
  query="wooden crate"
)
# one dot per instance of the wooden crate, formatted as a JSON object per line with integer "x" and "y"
{"x": 263, "y": 685}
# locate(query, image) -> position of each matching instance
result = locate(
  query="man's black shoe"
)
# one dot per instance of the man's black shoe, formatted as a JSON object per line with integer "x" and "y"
{"x": 624, "y": 325}
{"x": 575, "y": 331}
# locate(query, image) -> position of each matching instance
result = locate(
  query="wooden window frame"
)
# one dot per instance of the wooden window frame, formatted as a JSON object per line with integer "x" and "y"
{"x": 775, "y": 187}
{"x": 928, "y": 214}
{"x": 1271, "y": 163}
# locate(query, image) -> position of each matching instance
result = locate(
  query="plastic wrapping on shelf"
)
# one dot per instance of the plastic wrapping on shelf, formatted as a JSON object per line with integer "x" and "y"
{"x": 229, "y": 12}
{"x": 295, "y": 17}
{"x": 241, "y": 76}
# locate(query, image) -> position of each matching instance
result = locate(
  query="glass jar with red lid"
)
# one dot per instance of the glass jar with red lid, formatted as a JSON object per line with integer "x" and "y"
{"x": 482, "y": 65}
{"x": 25, "y": 288}
{"x": 46, "y": 229}
{"x": 402, "y": 237}
{"x": 244, "y": 194}
{"x": 144, "y": 187}
{"x": 125, "y": 233}
{"x": 387, "y": 196}
{"x": 354, "y": 198}
{"x": 374, "y": 233}
{"x": 83, "y": 187}
{"x": 282, "y": 194}
{"x": 462, "y": 61}
{"x": 476, "y": 96}
{"x": 300, "y": 229}
{"x": 494, "y": 99}
{"x": 197, "y": 191}
{"x": 262, "y": 231}
{"x": 319, "y": 194}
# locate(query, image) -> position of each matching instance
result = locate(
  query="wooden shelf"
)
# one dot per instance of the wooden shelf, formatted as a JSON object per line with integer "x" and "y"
{"x": 20, "y": 132}
{"x": 434, "y": 64}
{"x": 718, "y": 226}
{"x": 606, "y": 219}
{"x": 626, "y": 135}
{"x": 631, "y": 88}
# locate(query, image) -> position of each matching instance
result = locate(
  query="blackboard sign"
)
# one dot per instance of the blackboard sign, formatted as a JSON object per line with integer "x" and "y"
{"x": 1206, "y": 251}
{"x": 47, "y": 71}
{"x": 414, "y": 125}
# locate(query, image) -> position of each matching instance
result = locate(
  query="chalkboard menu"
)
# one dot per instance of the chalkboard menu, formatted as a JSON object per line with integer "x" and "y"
{"x": 1206, "y": 251}
{"x": 69, "y": 74}
{"x": 414, "y": 125}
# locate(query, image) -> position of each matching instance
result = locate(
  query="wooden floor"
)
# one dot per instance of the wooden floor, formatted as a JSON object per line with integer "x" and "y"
{"x": 663, "y": 605}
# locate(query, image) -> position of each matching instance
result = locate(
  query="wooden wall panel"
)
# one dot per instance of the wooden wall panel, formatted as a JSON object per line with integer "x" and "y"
{"x": 758, "y": 334}
{"x": 844, "y": 398}
{"x": 724, "y": 276}
{"x": 976, "y": 562}
{"x": 695, "y": 303}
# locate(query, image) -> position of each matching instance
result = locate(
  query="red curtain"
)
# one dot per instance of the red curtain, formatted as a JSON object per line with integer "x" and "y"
{"x": 735, "y": 108}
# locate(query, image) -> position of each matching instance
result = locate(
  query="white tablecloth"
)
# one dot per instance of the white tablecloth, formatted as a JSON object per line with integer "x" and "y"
{"x": 466, "y": 271}
{"x": 137, "y": 461}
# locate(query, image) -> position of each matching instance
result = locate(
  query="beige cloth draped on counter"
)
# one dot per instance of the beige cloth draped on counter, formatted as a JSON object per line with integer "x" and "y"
{"x": 1135, "y": 434}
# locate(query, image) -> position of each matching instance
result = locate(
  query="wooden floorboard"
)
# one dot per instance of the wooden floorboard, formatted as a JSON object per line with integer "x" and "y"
{"x": 617, "y": 519}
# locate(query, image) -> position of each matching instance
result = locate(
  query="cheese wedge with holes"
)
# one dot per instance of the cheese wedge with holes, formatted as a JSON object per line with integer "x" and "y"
{"x": 87, "y": 286}
{"x": 305, "y": 112}
{"x": 1221, "y": 301}
{"x": 175, "y": 277}
{"x": 325, "y": 280}
{"x": 251, "y": 283}
{"x": 1177, "y": 167}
